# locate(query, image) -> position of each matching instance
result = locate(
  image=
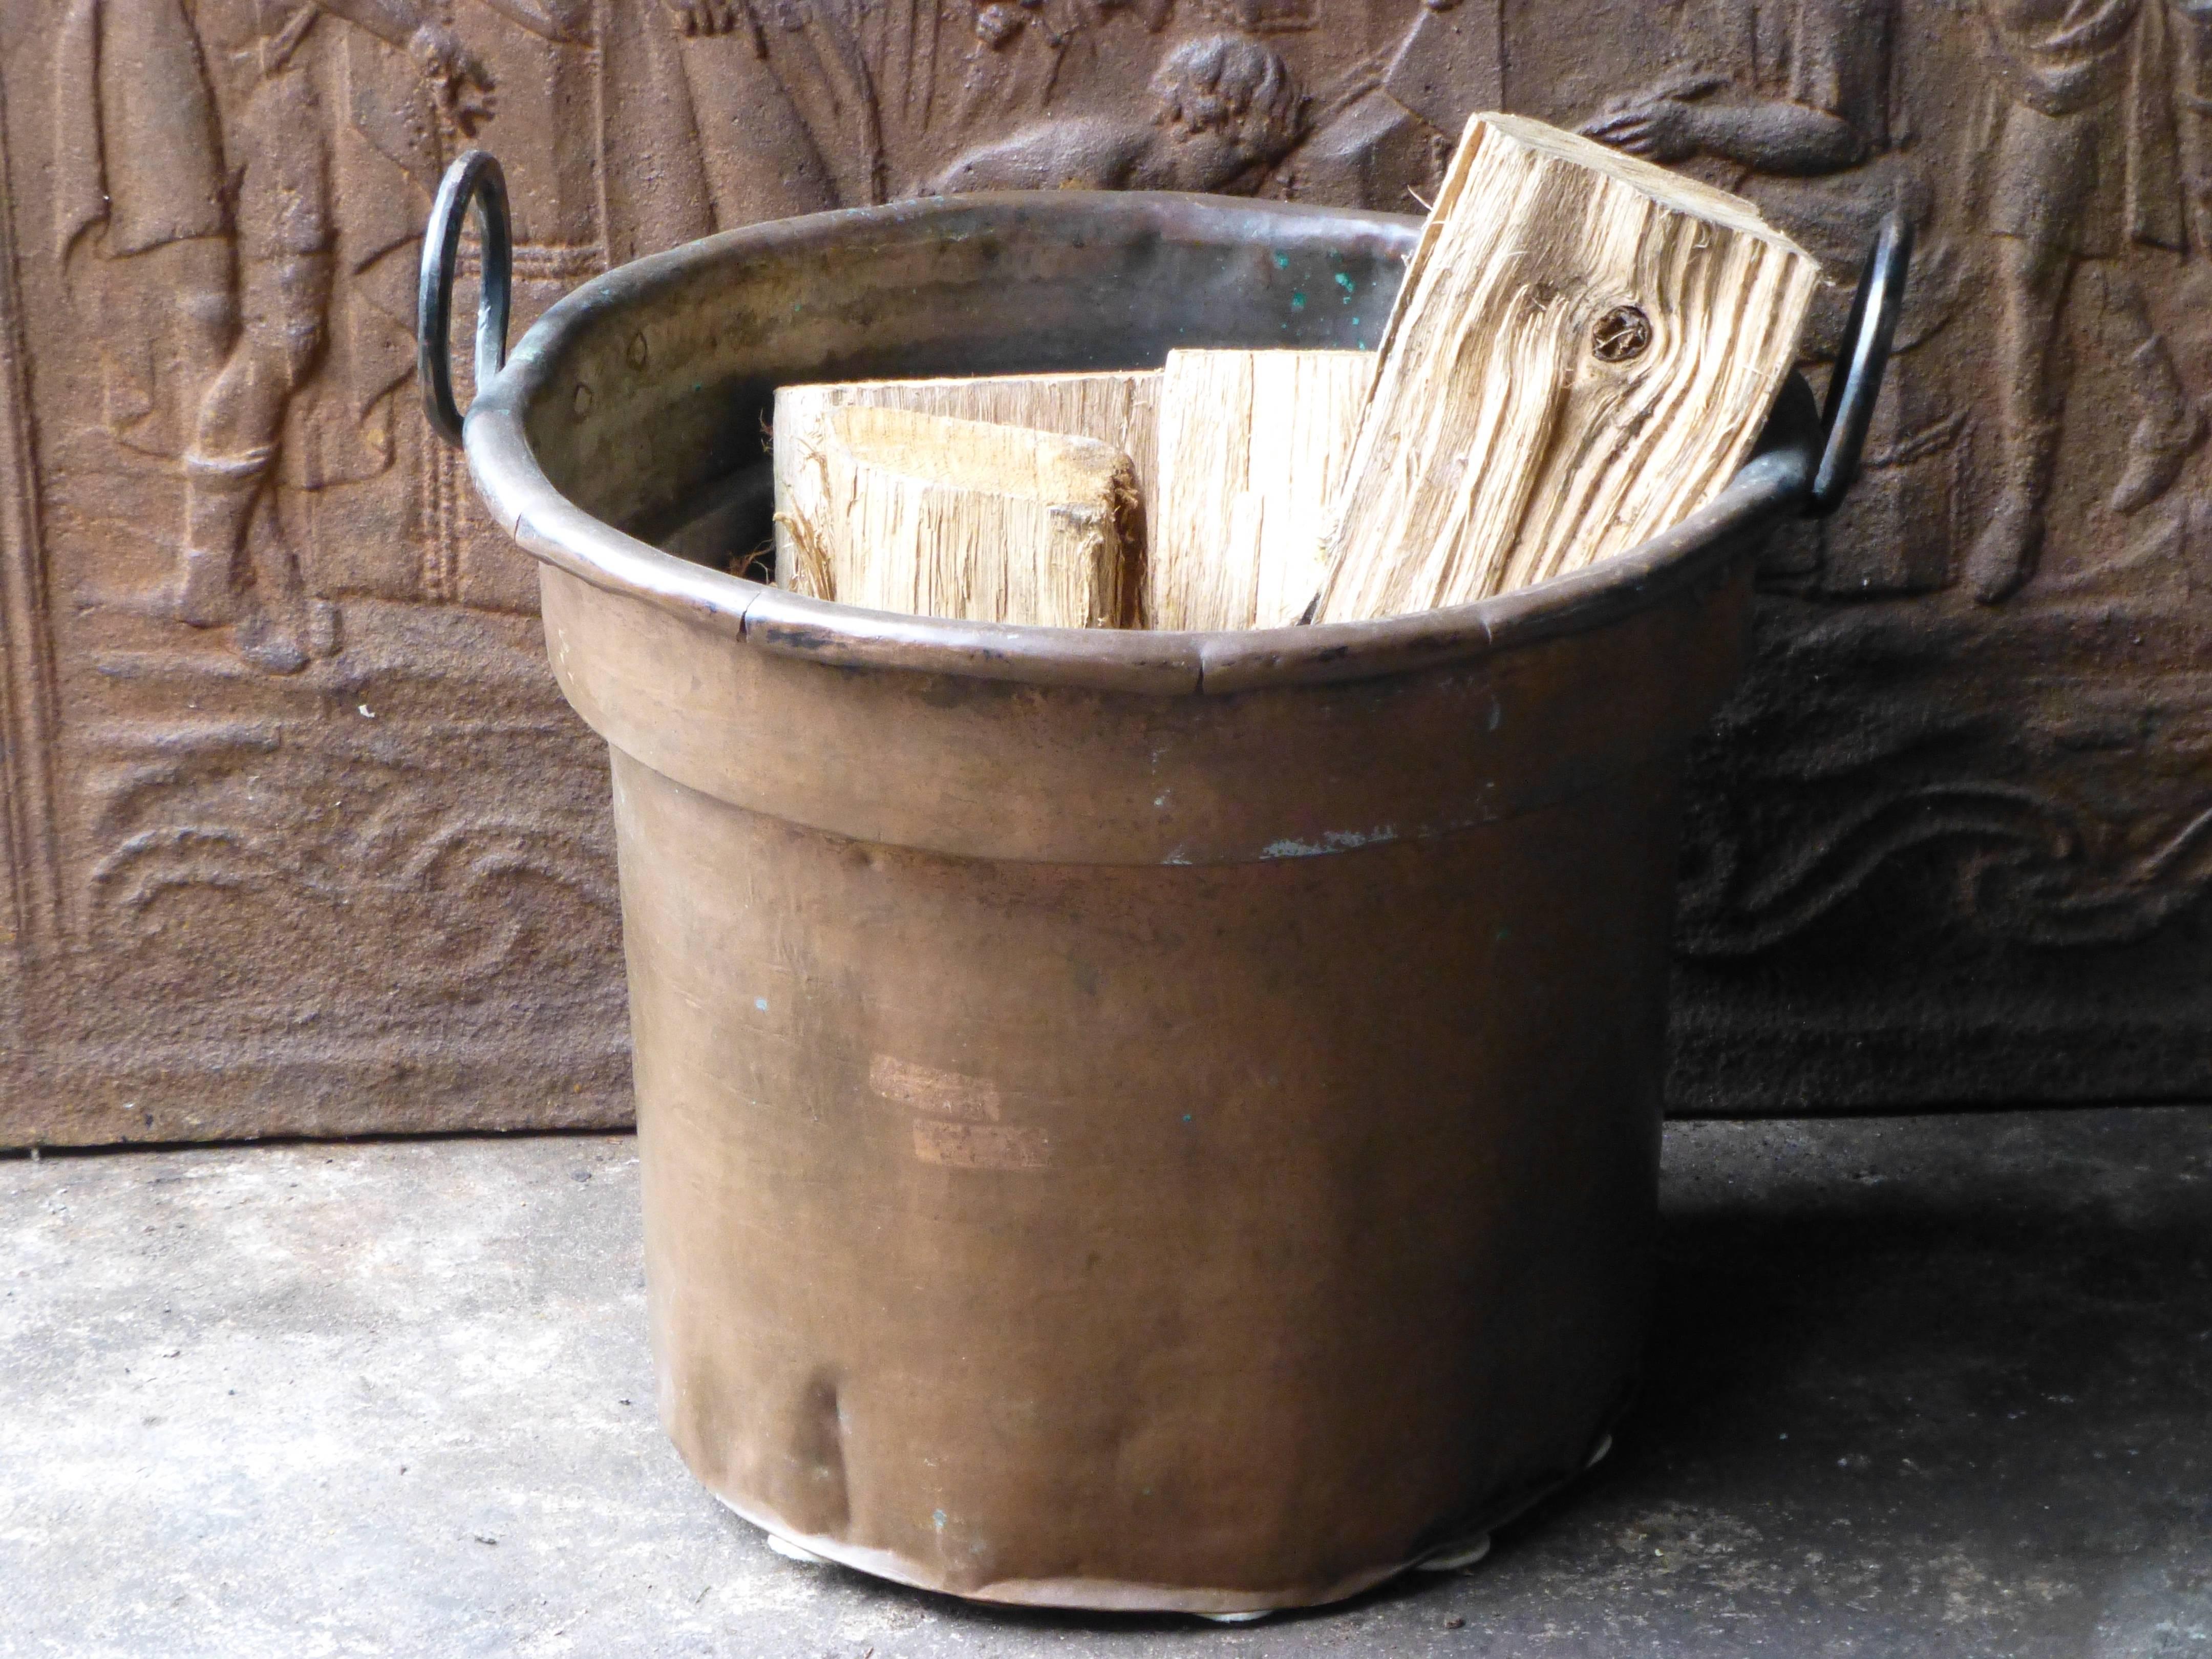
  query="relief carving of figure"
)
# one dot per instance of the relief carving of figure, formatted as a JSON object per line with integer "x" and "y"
{"x": 1796, "y": 88}
{"x": 208, "y": 137}
{"x": 793, "y": 105}
{"x": 2078, "y": 159}
{"x": 1225, "y": 110}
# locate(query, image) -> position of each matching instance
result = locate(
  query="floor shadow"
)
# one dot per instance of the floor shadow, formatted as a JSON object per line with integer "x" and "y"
{"x": 2012, "y": 1355}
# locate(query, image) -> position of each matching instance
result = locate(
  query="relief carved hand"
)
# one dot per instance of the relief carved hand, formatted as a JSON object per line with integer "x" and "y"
{"x": 456, "y": 77}
{"x": 707, "y": 16}
{"x": 1659, "y": 128}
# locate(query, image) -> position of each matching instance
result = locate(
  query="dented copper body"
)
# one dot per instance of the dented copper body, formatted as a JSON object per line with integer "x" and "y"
{"x": 1130, "y": 1119}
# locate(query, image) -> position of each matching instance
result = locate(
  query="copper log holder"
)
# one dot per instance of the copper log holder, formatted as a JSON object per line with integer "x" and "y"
{"x": 1139, "y": 1121}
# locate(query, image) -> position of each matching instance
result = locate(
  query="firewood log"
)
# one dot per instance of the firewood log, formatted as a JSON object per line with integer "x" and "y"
{"x": 1251, "y": 445}
{"x": 1115, "y": 408}
{"x": 1584, "y": 351}
{"x": 965, "y": 520}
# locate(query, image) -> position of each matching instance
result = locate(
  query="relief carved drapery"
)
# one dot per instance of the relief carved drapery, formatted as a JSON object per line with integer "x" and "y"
{"x": 299, "y": 832}
{"x": 205, "y": 166}
{"x": 329, "y": 853}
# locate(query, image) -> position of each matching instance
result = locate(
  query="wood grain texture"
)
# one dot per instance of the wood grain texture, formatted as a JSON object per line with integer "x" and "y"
{"x": 1500, "y": 447}
{"x": 1251, "y": 446}
{"x": 1116, "y": 407}
{"x": 941, "y": 517}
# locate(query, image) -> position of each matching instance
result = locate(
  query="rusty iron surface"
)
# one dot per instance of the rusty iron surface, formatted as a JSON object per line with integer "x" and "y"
{"x": 297, "y": 833}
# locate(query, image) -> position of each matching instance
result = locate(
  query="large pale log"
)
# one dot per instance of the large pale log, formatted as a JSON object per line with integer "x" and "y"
{"x": 1251, "y": 446}
{"x": 966, "y": 519}
{"x": 1116, "y": 407}
{"x": 1582, "y": 352}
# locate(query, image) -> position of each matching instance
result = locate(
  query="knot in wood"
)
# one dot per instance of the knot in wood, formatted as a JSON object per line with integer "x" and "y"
{"x": 1621, "y": 335}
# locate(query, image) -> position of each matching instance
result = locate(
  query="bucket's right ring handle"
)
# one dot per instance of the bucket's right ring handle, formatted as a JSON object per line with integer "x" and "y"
{"x": 1855, "y": 381}
{"x": 474, "y": 177}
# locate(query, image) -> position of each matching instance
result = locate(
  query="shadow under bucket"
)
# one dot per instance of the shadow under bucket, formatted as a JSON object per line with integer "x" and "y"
{"x": 1133, "y": 1121}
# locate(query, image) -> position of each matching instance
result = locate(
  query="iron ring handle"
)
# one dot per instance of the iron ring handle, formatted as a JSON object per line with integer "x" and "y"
{"x": 474, "y": 177}
{"x": 1855, "y": 381}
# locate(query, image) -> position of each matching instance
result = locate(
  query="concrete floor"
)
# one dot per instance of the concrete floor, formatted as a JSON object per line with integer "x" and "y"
{"x": 1921, "y": 1387}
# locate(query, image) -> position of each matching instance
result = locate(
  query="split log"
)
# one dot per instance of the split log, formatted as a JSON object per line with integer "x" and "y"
{"x": 1115, "y": 408}
{"x": 1584, "y": 351}
{"x": 1251, "y": 446}
{"x": 965, "y": 520}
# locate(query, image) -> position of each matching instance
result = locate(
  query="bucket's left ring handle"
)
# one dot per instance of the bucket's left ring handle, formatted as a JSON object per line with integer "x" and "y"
{"x": 474, "y": 177}
{"x": 1855, "y": 381}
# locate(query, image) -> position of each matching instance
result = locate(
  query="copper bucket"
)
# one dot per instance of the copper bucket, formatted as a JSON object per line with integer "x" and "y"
{"x": 1136, "y": 1120}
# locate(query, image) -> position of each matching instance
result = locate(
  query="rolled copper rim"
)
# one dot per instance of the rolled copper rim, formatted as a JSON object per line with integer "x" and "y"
{"x": 1773, "y": 485}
